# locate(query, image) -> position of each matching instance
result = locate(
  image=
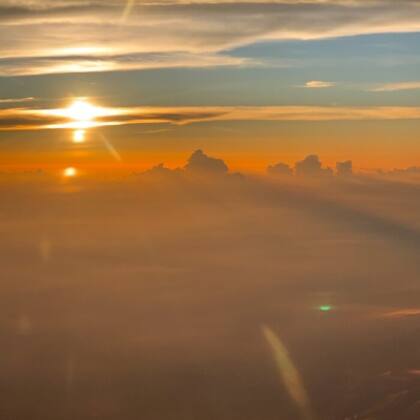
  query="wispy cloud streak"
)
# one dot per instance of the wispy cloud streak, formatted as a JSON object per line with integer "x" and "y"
{"x": 395, "y": 87}
{"x": 318, "y": 84}
{"x": 177, "y": 27}
{"x": 34, "y": 119}
{"x": 15, "y": 100}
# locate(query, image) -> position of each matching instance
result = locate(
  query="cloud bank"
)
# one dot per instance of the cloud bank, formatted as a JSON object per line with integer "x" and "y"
{"x": 148, "y": 297}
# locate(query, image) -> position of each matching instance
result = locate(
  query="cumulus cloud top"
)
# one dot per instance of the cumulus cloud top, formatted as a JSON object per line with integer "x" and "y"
{"x": 344, "y": 168}
{"x": 311, "y": 166}
{"x": 279, "y": 169}
{"x": 200, "y": 163}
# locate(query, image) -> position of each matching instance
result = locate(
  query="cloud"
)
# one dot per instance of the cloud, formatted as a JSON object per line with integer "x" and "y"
{"x": 395, "y": 87}
{"x": 279, "y": 169}
{"x": 95, "y": 62}
{"x": 312, "y": 167}
{"x": 318, "y": 84}
{"x": 184, "y": 274}
{"x": 12, "y": 119}
{"x": 410, "y": 173}
{"x": 176, "y": 28}
{"x": 161, "y": 173}
{"x": 200, "y": 163}
{"x": 15, "y": 100}
{"x": 344, "y": 168}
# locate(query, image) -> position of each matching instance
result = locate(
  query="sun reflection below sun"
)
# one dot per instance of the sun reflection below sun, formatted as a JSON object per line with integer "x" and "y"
{"x": 79, "y": 136}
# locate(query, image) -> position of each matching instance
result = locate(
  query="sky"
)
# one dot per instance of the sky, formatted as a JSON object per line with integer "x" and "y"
{"x": 255, "y": 82}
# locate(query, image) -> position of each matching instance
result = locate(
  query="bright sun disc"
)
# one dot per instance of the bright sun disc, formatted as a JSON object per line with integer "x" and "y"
{"x": 81, "y": 110}
{"x": 70, "y": 172}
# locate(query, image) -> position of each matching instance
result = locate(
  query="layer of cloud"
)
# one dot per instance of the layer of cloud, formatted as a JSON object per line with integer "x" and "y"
{"x": 149, "y": 297}
{"x": 35, "y": 119}
{"x": 81, "y": 30}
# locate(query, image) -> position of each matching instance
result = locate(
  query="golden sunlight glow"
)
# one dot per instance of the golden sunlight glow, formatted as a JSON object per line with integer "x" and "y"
{"x": 81, "y": 110}
{"x": 79, "y": 136}
{"x": 70, "y": 172}
{"x": 80, "y": 115}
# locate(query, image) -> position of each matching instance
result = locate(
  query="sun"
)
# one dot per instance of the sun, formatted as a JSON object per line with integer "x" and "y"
{"x": 80, "y": 115}
{"x": 82, "y": 111}
{"x": 70, "y": 172}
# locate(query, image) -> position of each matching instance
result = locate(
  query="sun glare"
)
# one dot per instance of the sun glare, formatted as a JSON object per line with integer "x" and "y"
{"x": 81, "y": 110}
{"x": 81, "y": 115}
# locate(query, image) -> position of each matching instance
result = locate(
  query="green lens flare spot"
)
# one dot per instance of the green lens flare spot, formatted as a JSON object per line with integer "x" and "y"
{"x": 325, "y": 308}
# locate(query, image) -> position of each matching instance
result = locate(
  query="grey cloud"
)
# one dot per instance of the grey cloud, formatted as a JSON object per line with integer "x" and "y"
{"x": 279, "y": 169}
{"x": 312, "y": 167}
{"x": 409, "y": 170}
{"x": 160, "y": 171}
{"x": 199, "y": 163}
{"x": 344, "y": 168}
{"x": 18, "y": 120}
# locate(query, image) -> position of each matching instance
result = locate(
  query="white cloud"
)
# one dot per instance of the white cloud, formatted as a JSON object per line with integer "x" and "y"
{"x": 15, "y": 100}
{"x": 318, "y": 84}
{"x": 394, "y": 87}
{"x": 38, "y": 29}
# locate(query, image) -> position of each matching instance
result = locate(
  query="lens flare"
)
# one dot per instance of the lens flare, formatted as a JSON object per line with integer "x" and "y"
{"x": 127, "y": 10}
{"x": 289, "y": 374}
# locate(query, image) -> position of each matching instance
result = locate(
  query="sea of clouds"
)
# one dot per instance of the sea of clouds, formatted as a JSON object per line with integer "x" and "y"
{"x": 147, "y": 297}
